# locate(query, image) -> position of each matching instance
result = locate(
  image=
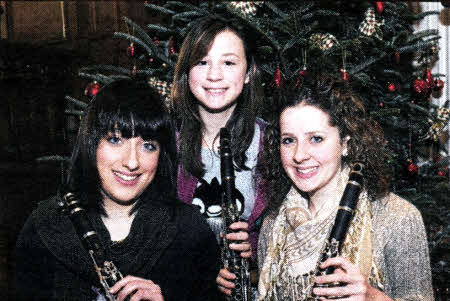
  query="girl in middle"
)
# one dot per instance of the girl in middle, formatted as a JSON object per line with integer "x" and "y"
{"x": 217, "y": 84}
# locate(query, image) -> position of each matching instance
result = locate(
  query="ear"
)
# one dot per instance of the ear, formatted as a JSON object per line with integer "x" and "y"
{"x": 247, "y": 76}
{"x": 345, "y": 146}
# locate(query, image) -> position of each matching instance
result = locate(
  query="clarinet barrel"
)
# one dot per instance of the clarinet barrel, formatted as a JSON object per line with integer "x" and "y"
{"x": 344, "y": 216}
{"x": 230, "y": 214}
{"x": 107, "y": 272}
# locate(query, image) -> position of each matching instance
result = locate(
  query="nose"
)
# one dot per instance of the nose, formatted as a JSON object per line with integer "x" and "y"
{"x": 130, "y": 158}
{"x": 214, "y": 72}
{"x": 301, "y": 153}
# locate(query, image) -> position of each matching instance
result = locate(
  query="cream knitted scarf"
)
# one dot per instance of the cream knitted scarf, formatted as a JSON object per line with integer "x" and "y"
{"x": 297, "y": 239}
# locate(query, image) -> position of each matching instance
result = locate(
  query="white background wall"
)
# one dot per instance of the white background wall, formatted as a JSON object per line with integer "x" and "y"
{"x": 440, "y": 22}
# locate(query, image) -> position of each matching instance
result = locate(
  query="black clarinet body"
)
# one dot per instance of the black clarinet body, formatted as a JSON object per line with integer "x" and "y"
{"x": 231, "y": 259}
{"x": 347, "y": 206}
{"x": 107, "y": 272}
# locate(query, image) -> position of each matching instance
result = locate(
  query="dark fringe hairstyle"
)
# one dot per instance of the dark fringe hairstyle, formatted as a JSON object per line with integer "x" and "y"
{"x": 135, "y": 110}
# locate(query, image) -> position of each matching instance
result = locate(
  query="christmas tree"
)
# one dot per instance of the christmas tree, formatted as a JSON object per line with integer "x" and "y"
{"x": 372, "y": 45}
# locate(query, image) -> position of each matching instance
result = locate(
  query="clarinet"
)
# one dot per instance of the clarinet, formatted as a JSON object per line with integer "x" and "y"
{"x": 230, "y": 214}
{"x": 347, "y": 205}
{"x": 106, "y": 270}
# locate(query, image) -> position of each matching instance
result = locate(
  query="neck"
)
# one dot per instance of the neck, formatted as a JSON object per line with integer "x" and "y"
{"x": 213, "y": 122}
{"x": 118, "y": 220}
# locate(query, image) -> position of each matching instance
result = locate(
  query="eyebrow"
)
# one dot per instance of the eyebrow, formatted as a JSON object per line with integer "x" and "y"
{"x": 307, "y": 133}
{"x": 230, "y": 54}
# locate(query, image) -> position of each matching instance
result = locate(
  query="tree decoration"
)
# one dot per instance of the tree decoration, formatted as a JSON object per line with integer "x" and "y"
{"x": 277, "y": 78}
{"x": 397, "y": 57}
{"x": 413, "y": 169}
{"x": 438, "y": 123}
{"x": 429, "y": 78}
{"x": 172, "y": 46}
{"x": 438, "y": 84}
{"x": 422, "y": 89}
{"x": 370, "y": 26}
{"x": 161, "y": 86}
{"x": 392, "y": 87}
{"x": 156, "y": 40}
{"x": 92, "y": 89}
{"x": 344, "y": 73}
{"x": 248, "y": 8}
{"x": 131, "y": 50}
{"x": 323, "y": 41}
{"x": 380, "y": 6}
{"x": 303, "y": 72}
{"x": 133, "y": 71}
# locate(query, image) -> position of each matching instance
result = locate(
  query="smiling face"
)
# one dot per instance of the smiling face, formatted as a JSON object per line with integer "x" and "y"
{"x": 218, "y": 79}
{"x": 311, "y": 149}
{"x": 126, "y": 166}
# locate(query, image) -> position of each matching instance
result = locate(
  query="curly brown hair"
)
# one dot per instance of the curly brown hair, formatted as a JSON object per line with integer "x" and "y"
{"x": 347, "y": 113}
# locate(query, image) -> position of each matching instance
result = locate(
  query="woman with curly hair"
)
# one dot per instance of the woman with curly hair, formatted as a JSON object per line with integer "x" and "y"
{"x": 322, "y": 129}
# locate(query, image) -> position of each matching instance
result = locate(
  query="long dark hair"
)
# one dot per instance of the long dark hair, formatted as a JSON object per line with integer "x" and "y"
{"x": 185, "y": 108}
{"x": 347, "y": 113}
{"x": 135, "y": 110}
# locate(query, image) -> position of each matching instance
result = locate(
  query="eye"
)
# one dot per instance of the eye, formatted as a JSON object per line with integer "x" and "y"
{"x": 230, "y": 63}
{"x": 316, "y": 139}
{"x": 287, "y": 140}
{"x": 202, "y": 63}
{"x": 150, "y": 146}
{"x": 114, "y": 139}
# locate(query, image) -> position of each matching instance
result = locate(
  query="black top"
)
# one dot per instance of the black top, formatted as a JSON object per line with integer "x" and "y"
{"x": 170, "y": 245}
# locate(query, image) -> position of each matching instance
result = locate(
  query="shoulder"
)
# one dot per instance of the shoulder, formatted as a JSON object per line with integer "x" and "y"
{"x": 394, "y": 206}
{"x": 394, "y": 218}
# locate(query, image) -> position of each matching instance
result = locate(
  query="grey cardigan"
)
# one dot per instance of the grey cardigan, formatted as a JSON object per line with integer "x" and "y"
{"x": 399, "y": 246}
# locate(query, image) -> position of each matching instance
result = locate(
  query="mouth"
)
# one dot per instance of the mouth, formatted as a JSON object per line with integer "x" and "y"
{"x": 306, "y": 170}
{"x": 126, "y": 179}
{"x": 215, "y": 90}
{"x": 306, "y": 173}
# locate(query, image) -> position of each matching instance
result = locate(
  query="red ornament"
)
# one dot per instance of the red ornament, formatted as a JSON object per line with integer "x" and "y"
{"x": 440, "y": 173}
{"x": 421, "y": 87}
{"x": 438, "y": 87}
{"x": 171, "y": 46}
{"x": 277, "y": 78}
{"x": 438, "y": 84}
{"x": 155, "y": 41}
{"x": 380, "y": 6}
{"x": 303, "y": 72}
{"x": 130, "y": 50}
{"x": 381, "y": 104}
{"x": 397, "y": 57}
{"x": 133, "y": 71}
{"x": 413, "y": 168}
{"x": 429, "y": 79}
{"x": 392, "y": 87}
{"x": 344, "y": 74}
{"x": 92, "y": 89}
